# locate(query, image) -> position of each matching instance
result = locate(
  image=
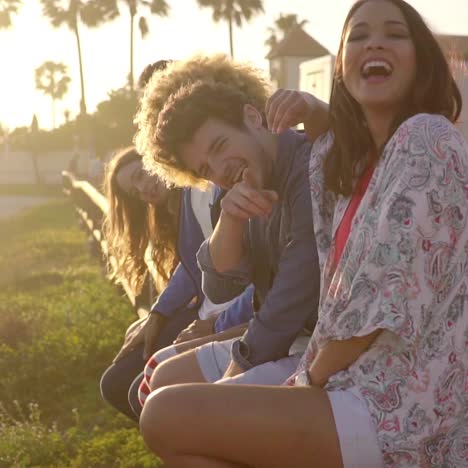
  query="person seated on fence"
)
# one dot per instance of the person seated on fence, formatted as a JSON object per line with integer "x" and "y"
{"x": 217, "y": 133}
{"x": 383, "y": 381}
{"x": 285, "y": 108}
{"x": 118, "y": 378}
{"x": 142, "y": 212}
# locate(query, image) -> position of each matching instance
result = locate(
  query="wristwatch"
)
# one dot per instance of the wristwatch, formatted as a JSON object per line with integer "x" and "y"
{"x": 303, "y": 379}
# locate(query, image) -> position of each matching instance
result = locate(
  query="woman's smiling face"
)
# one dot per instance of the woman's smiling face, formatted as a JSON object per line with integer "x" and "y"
{"x": 379, "y": 57}
{"x": 138, "y": 183}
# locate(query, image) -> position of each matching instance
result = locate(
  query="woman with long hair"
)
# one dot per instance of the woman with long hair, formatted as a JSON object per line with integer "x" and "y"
{"x": 383, "y": 381}
{"x": 142, "y": 224}
{"x": 141, "y": 209}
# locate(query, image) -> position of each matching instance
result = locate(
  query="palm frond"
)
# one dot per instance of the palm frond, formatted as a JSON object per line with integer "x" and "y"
{"x": 8, "y": 8}
{"x": 236, "y": 10}
{"x": 159, "y": 7}
{"x": 143, "y": 26}
{"x": 52, "y": 79}
{"x": 96, "y": 12}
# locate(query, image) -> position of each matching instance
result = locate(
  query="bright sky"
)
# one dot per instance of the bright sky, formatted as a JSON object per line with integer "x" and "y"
{"x": 187, "y": 30}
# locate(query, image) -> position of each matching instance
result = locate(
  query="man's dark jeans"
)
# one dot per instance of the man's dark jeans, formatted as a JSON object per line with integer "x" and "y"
{"x": 116, "y": 382}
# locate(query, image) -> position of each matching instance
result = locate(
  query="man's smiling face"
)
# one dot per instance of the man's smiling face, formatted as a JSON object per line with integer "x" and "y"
{"x": 220, "y": 153}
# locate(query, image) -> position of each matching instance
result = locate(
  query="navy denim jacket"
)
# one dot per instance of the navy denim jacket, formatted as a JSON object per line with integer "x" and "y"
{"x": 281, "y": 261}
{"x": 185, "y": 283}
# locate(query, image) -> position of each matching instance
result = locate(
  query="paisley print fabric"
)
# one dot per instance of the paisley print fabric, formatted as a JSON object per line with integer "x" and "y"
{"x": 404, "y": 270}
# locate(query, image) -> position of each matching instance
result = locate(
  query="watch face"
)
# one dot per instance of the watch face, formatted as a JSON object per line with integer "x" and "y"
{"x": 302, "y": 379}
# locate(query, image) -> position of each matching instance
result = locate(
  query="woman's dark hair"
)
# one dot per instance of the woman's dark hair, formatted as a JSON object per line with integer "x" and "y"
{"x": 131, "y": 224}
{"x": 434, "y": 92}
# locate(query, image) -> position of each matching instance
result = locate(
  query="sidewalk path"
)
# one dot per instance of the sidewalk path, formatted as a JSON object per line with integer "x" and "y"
{"x": 14, "y": 204}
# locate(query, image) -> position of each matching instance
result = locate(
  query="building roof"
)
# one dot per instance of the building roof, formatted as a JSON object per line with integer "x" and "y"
{"x": 454, "y": 45}
{"x": 297, "y": 43}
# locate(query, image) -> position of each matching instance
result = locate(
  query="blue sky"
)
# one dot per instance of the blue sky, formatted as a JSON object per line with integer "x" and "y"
{"x": 185, "y": 31}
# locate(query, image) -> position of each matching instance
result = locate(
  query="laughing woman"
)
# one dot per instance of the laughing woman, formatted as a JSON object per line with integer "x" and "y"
{"x": 384, "y": 379}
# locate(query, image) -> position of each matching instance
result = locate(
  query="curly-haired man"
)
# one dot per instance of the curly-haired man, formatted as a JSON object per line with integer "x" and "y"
{"x": 214, "y": 131}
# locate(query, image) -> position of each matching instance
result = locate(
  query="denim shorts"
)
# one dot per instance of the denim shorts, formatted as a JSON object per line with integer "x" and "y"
{"x": 214, "y": 358}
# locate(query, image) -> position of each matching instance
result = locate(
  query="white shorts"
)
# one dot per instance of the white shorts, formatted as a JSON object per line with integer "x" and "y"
{"x": 356, "y": 431}
{"x": 214, "y": 358}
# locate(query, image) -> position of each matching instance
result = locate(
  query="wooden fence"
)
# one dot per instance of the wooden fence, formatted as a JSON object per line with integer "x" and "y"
{"x": 91, "y": 206}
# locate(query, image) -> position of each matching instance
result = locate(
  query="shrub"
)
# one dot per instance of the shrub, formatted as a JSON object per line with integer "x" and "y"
{"x": 25, "y": 441}
{"x": 118, "y": 448}
{"x": 61, "y": 323}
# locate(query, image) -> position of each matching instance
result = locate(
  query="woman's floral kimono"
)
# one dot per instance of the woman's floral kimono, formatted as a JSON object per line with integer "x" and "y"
{"x": 404, "y": 270}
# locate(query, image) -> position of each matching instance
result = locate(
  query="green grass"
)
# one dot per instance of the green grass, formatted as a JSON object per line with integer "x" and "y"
{"x": 61, "y": 322}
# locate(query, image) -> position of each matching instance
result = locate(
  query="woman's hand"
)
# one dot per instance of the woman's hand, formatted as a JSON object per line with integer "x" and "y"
{"x": 336, "y": 356}
{"x": 144, "y": 331}
{"x": 315, "y": 378}
{"x": 197, "y": 329}
{"x": 287, "y": 108}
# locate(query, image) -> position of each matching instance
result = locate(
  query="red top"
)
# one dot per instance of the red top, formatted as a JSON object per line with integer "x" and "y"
{"x": 342, "y": 233}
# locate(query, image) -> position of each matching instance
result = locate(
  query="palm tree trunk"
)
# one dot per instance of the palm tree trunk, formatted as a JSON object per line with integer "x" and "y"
{"x": 231, "y": 42}
{"x": 53, "y": 113}
{"x": 52, "y": 96}
{"x": 37, "y": 175}
{"x": 132, "y": 27}
{"x": 34, "y": 147}
{"x": 78, "y": 43}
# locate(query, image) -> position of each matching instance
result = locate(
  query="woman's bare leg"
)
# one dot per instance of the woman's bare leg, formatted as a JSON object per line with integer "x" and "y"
{"x": 183, "y": 368}
{"x": 246, "y": 425}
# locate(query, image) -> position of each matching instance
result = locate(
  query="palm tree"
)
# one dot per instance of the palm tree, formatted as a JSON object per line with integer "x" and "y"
{"x": 233, "y": 11}
{"x": 34, "y": 147}
{"x": 156, "y": 7}
{"x": 71, "y": 13}
{"x": 8, "y": 8}
{"x": 283, "y": 24}
{"x": 52, "y": 79}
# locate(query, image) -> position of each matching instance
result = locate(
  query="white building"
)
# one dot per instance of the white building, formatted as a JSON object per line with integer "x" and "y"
{"x": 288, "y": 55}
{"x": 316, "y": 76}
